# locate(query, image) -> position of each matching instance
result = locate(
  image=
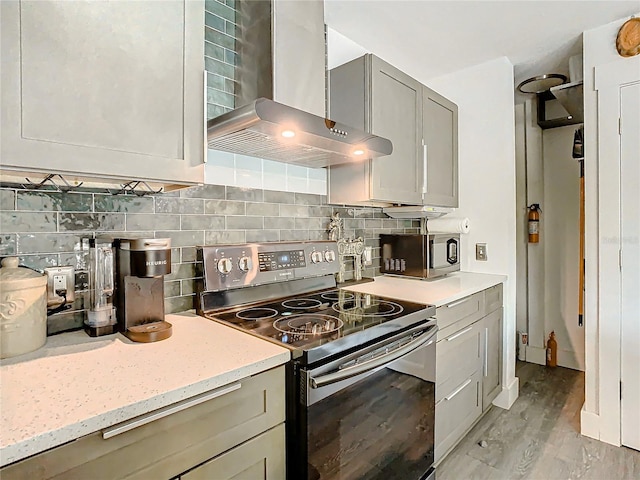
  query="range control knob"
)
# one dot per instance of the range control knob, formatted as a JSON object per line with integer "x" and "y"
{"x": 316, "y": 257}
{"x": 225, "y": 265}
{"x": 245, "y": 264}
{"x": 330, "y": 256}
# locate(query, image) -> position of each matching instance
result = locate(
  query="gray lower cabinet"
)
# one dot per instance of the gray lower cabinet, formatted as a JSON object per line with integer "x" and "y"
{"x": 372, "y": 95}
{"x": 228, "y": 427}
{"x": 468, "y": 364}
{"x": 108, "y": 90}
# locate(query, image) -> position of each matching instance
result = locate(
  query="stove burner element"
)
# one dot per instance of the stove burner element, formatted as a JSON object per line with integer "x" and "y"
{"x": 308, "y": 324}
{"x": 380, "y": 308}
{"x": 301, "y": 303}
{"x": 256, "y": 313}
{"x": 335, "y": 296}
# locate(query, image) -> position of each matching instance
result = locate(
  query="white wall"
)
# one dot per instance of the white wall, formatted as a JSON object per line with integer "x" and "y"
{"x": 485, "y": 98}
{"x": 601, "y": 412}
{"x": 561, "y": 237}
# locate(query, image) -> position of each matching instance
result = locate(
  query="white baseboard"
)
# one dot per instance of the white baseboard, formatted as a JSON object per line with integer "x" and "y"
{"x": 589, "y": 424}
{"x": 536, "y": 355}
{"x": 508, "y": 395}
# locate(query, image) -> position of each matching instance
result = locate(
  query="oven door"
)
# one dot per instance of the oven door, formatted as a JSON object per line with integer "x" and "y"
{"x": 371, "y": 414}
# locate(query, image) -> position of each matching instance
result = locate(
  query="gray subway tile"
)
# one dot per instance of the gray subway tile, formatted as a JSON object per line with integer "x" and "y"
{"x": 294, "y": 235}
{"x": 230, "y": 56}
{"x": 54, "y": 201}
{"x": 7, "y": 244}
{"x": 218, "y": 38}
{"x": 217, "y": 66}
{"x": 188, "y": 254}
{"x": 215, "y": 81}
{"x": 344, "y": 212}
{"x": 188, "y": 286}
{"x": 123, "y": 203}
{"x": 214, "y": 111}
{"x": 78, "y": 259}
{"x": 309, "y": 224}
{"x": 294, "y": 211}
{"x": 179, "y": 304}
{"x": 188, "y": 238}
{"x": 353, "y": 223}
{"x": 219, "y": 97}
{"x": 209, "y": 5}
{"x": 281, "y": 223}
{"x": 246, "y": 194}
{"x": 202, "y": 222}
{"x": 263, "y": 209}
{"x": 224, "y": 11}
{"x": 373, "y": 223}
{"x": 318, "y": 235}
{"x": 245, "y": 223}
{"x": 47, "y": 242}
{"x": 307, "y": 199}
{"x": 39, "y": 262}
{"x": 179, "y": 205}
{"x": 273, "y": 196}
{"x": 224, "y": 237}
{"x": 172, "y": 289}
{"x": 180, "y": 271}
{"x": 204, "y": 191}
{"x": 224, "y": 207}
{"x": 15, "y": 222}
{"x": 152, "y": 221}
{"x": 214, "y": 21}
{"x": 263, "y": 236}
{"x": 389, "y": 223}
{"x": 319, "y": 211}
{"x": 96, "y": 222}
{"x": 65, "y": 322}
{"x": 229, "y": 85}
{"x": 7, "y": 199}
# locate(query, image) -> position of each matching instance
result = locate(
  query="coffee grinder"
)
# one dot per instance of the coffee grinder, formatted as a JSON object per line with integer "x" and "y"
{"x": 141, "y": 265}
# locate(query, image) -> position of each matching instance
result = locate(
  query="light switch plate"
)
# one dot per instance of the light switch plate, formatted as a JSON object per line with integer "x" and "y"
{"x": 58, "y": 279}
{"x": 481, "y": 252}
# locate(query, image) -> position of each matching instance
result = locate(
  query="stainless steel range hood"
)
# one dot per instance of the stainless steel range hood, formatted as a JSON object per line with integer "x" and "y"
{"x": 280, "y": 78}
{"x": 571, "y": 97}
{"x": 274, "y": 131}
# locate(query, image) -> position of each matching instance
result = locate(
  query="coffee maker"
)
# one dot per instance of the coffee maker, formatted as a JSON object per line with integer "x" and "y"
{"x": 101, "y": 315}
{"x": 141, "y": 265}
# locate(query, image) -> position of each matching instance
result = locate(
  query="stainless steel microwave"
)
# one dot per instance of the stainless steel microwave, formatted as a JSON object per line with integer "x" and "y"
{"x": 420, "y": 256}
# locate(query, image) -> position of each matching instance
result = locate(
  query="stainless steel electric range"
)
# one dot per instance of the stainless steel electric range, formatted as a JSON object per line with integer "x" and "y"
{"x": 361, "y": 383}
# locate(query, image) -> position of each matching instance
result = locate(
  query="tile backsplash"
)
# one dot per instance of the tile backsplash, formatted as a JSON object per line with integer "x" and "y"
{"x": 45, "y": 228}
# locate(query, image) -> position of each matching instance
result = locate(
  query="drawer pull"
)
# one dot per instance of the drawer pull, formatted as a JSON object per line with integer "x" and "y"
{"x": 459, "y": 302}
{"x": 168, "y": 410}
{"x": 486, "y": 352}
{"x": 459, "y": 334}
{"x": 457, "y": 390}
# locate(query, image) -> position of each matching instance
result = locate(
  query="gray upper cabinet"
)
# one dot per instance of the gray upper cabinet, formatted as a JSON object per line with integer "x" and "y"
{"x": 370, "y": 94}
{"x": 104, "y": 89}
{"x": 440, "y": 149}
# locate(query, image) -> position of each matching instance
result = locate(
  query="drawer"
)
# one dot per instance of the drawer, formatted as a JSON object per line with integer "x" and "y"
{"x": 456, "y": 413}
{"x": 261, "y": 458}
{"x": 458, "y": 356}
{"x": 492, "y": 298}
{"x": 462, "y": 312}
{"x": 168, "y": 445}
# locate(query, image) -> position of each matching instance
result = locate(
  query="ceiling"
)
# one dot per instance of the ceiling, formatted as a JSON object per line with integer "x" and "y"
{"x": 428, "y": 38}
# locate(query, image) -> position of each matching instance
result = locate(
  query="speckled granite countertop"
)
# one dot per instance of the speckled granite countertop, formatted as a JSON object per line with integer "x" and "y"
{"x": 76, "y": 385}
{"x": 438, "y": 291}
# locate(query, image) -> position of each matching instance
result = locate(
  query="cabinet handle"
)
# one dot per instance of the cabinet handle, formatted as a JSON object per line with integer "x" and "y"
{"x": 459, "y": 302}
{"x": 459, "y": 334}
{"x": 424, "y": 167}
{"x": 169, "y": 410}
{"x": 486, "y": 351}
{"x": 457, "y": 390}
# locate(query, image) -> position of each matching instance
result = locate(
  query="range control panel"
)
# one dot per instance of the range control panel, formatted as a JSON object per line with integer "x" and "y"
{"x": 233, "y": 266}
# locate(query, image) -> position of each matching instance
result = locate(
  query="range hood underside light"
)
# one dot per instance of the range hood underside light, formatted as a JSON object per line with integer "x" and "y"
{"x": 270, "y": 130}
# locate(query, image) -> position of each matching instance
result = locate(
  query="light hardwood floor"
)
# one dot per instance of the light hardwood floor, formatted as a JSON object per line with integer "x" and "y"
{"x": 539, "y": 437}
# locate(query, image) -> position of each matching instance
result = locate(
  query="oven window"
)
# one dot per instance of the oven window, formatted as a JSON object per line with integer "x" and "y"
{"x": 381, "y": 427}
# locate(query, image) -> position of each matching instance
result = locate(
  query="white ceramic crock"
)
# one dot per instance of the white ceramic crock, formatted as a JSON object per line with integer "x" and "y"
{"x": 23, "y": 309}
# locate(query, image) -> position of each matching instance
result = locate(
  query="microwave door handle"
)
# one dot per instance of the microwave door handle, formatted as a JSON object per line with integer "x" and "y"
{"x": 349, "y": 372}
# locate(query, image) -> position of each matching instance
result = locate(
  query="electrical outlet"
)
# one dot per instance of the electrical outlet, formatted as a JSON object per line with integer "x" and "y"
{"x": 481, "y": 252}
{"x": 61, "y": 285}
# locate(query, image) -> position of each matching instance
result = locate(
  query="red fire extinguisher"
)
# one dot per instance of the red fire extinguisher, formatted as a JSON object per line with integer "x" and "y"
{"x": 534, "y": 223}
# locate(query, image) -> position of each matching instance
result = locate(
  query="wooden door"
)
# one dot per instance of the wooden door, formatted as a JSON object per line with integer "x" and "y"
{"x": 630, "y": 262}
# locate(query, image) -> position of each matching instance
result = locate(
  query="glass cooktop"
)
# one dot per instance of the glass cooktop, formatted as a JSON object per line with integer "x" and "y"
{"x": 319, "y": 324}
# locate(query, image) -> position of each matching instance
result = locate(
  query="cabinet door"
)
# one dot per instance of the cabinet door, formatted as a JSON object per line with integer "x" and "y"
{"x": 261, "y": 458}
{"x": 440, "y": 149}
{"x": 109, "y": 89}
{"x": 492, "y": 368}
{"x": 396, "y": 114}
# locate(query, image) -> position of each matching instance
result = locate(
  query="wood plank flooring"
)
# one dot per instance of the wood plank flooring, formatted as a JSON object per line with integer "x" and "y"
{"x": 539, "y": 437}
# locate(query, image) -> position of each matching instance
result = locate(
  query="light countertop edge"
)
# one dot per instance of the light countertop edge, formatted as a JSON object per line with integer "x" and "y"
{"x": 438, "y": 291}
{"x": 37, "y": 415}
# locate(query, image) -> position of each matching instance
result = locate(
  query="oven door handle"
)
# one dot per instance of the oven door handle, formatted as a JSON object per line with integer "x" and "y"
{"x": 349, "y": 372}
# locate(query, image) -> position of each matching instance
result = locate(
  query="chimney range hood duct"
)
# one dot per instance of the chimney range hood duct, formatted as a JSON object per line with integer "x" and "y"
{"x": 280, "y": 78}
{"x": 274, "y": 131}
